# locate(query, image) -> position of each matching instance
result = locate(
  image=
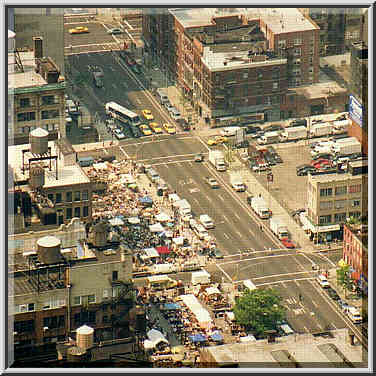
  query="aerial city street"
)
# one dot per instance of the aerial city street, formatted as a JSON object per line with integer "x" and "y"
{"x": 188, "y": 187}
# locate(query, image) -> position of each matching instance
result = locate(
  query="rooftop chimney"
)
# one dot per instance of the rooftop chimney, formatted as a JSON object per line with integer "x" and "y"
{"x": 38, "y": 47}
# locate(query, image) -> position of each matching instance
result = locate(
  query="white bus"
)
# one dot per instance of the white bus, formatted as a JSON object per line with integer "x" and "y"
{"x": 122, "y": 114}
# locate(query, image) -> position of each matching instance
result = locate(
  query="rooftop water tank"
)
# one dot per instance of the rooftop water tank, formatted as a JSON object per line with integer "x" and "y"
{"x": 39, "y": 141}
{"x": 49, "y": 250}
{"x": 100, "y": 234}
{"x": 37, "y": 176}
{"x": 85, "y": 337}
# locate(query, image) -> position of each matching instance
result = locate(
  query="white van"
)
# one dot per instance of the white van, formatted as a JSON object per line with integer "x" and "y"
{"x": 200, "y": 231}
{"x": 229, "y": 131}
{"x": 175, "y": 114}
{"x": 354, "y": 315}
{"x": 321, "y": 279}
{"x": 162, "y": 96}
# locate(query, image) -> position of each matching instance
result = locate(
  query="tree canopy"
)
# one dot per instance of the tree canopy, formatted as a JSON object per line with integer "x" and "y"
{"x": 344, "y": 278}
{"x": 259, "y": 310}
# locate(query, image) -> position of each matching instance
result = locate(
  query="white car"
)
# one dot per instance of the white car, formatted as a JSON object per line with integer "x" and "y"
{"x": 119, "y": 134}
{"x": 206, "y": 221}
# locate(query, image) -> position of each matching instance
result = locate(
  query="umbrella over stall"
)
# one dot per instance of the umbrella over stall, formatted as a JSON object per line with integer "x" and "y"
{"x": 163, "y": 250}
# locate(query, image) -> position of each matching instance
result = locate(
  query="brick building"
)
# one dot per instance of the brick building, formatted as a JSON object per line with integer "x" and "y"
{"x": 355, "y": 252}
{"x": 50, "y": 300}
{"x": 234, "y": 65}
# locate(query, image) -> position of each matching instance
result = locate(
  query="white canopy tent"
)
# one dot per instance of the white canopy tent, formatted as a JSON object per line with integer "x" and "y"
{"x": 156, "y": 337}
{"x": 150, "y": 253}
{"x": 201, "y": 314}
{"x": 212, "y": 291}
{"x": 157, "y": 227}
{"x": 163, "y": 217}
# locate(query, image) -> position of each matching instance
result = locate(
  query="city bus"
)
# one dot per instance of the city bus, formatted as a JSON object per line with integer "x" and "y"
{"x": 122, "y": 114}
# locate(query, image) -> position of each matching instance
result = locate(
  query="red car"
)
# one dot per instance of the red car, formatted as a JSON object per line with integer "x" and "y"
{"x": 288, "y": 243}
{"x": 321, "y": 163}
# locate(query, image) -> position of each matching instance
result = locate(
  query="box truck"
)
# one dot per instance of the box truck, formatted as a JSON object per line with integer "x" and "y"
{"x": 259, "y": 206}
{"x": 217, "y": 159}
{"x": 346, "y": 146}
{"x": 340, "y": 126}
{"x": 320, "y": 129}
{"x": 229, "y": 131}
{"x": 294, "y": 133}
{"x": 163, "y": 268}
{"x": 184, "y": 208}
{"x": 279, "y": 228}
{"x": 268, "y": 138}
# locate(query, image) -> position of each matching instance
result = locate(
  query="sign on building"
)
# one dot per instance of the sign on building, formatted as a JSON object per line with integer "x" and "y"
{"x": 355, "y": 110}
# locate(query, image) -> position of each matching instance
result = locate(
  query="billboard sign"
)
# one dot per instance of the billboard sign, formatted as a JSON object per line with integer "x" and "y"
{"x": 355, "y": 110}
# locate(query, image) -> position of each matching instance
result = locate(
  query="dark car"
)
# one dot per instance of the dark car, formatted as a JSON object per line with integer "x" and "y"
{"x": 305, "y": 171}
{"x": 298, "y": 122}
{"x": 333, "y": 294}
{"x": 249, "y": 200}
{"x": 300, "y": 167}
{"x": 269, "y": 157}
{"x": 252, "y": 129}
{"x": 199, "y": 157}
{"x": 136, "y": 69}
{"x": 324, "y": 156}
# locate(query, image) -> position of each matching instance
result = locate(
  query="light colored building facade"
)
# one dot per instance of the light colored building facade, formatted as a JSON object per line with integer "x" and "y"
{"x": 332, "y": 198}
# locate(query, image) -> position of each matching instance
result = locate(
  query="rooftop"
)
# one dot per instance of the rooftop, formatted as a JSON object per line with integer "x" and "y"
{"x": 278, "y": 20}
{"x": 307, "y": 350}
{"x": 320, "y": 90}
{"x": 28, "y": 80}
{"x": 67, "y": 175}
{"x": 328, "y": 178}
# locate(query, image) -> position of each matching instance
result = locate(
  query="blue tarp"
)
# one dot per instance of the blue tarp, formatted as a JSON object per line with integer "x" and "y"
{"x": 171, "y": 306}
{"x": 217, "y": 337}
{"x": 197, "y": 338}
{"x": 146, "y": 200}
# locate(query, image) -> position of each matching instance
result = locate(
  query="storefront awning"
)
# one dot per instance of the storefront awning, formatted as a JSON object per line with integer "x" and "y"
{"x": 328, "y": 228}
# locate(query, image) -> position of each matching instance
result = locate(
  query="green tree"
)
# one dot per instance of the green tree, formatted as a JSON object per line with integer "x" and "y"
{"x": 259, "y": 310}
{"x": 344, "y": 278}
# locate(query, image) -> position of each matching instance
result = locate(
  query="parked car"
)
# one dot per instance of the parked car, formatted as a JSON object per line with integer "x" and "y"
{"x": 323, "y": 155}
{"x": 305, "y": 171}
{"x": 169, "y": 106}
{"x": 147, "y": 114}
{"x": 79, "y": 30}
{"x": 212, "y": 182}
{"x": 273, "y": 128}
{"x": 249, "y": 200}
{"x": 216, "y": 140}
{"x": 115, "y": 31}
{"x": 145, "y": 130}
{"x": 155, "y": 127}
{"x": 252, "y": 129}
{"x": 303, "y": 166}
{"x": 333, "y": 294}
{"x": 119, "y": 134}
{"x": 342, "y": 304}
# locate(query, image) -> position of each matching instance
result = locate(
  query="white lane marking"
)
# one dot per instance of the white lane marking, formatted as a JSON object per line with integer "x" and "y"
{"x": 226, "y": 236}
{"x": 114, "y": 86}
{"x": 307, "y": 331}
{"x": 314, "y": 303}
{"x": 264, "y": 257}
{"x": 92, "y": 44}
{"x": 208, "y": 198}
{"x": 236, "y": 215}
{"x": 280, "y": 275}
{"x": 163, "y": 139}
{"x": 288, "y": 280}
{"x": 170, "y": 162}
{"x": 199, "y": 138}
{"x": 138, "y": 101}
{"x": 221, "y": 198}
{"x": 130, "y": 36}
{"x": 334, "y": 326}
{"x": 230, "y": 279}
{"x": 253, "y": 234}
{"x": 129, "y": 25}
{"x": 124, "y": 152}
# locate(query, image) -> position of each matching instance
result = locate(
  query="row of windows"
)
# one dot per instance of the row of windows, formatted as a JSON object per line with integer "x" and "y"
{"x": 339, "y": 204}
{"x": 45, "y": 100}
{"x": 54, "y": 322}
{"x": 337, "y": 218}
{"x": 47, "y": 127}
{"x": 31, "y": 116}
{"x": 77, "y": 212}
{"x": 24, "y": 326}
{"x": 78, "y": 300}
{"x": 356, "y": 188}
{"x": 78, "y": 196}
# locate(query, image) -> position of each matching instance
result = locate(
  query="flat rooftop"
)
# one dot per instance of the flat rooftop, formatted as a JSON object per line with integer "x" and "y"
{"x": 278, "y": 20}
{"x": 67, "y": 175}
{"x": 327, "y": 178}
{"x": 305, "y": 349}
{"x": 320, "y": 90}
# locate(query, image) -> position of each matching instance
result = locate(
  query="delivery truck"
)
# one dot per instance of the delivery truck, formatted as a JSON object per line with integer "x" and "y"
{"x": 259, "y": 206}
{"x": 217, "y": 159}
{"x": 278, "y": 227}
{"x": 163, "y": 268}
{"x": 320, "y": 129}
{"x": 184, "y": 208}
{"x": 237, "y": 182}
{"x": 346, "y": 146}
{"x": 268, "y": 138}
{"x": 340, "y": 126}
{"x": 294, "y": 133}
{"x": 161, "y": 282}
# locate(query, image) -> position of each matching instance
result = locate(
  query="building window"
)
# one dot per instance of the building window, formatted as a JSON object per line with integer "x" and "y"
{"x": 85, "y": 195}
{"x": 24, "y": 102}
{"x": 245, "y": 75}
{"x": 298, "y": 41}
{"x": 77, "y": 196}
{"x": 340, "y": 217}
{"x": 275, "y": 85}
{"x": 51, "y": 114}
{"x": 106, "y": 293}
{"x": 326, "y": 205}
{"x": 26, "y": 116}
{"x": 355, "y": 188}
{"x": 114, "y": 275}
{"x": 282, "y": 43}
{"x": 267, "y": 100}
{"x": 50, "y": 196}
{"x": 325, "y": 192}
{"x": 68, "y": 197}
{"x": 341, "y": 190}
{"x": 69, "y": 213}
{"x": 355, "y": 203}
{"x": 297, "y": 51}
{"x": 325, "y": 219}
{"x": 91, "y": 299}
{"x": 297, "y": 61}
{"x": 85, "y": 211}
{"x": 77, "y": 300}
{"x": 275, "y": 99}
{"x": 77, "y": 212}
{"x": 48, "y": 99}
{"x": 92, "y": 318}
{"x": 58, "y": 198}
{"x": 354, "y": 214}
{"x": 275, "y": 74}
{"x": 340, "y": 204}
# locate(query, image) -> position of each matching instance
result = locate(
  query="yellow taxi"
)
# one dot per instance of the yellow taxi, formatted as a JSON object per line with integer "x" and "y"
{"x": 156, "y": 127}
{"x": 79, "y": 30}
{"x": 146, "y": 131}
{"x": 147, "y": 114}
{"x": 216, "y": 140}
{"x": 169, "y": 128}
